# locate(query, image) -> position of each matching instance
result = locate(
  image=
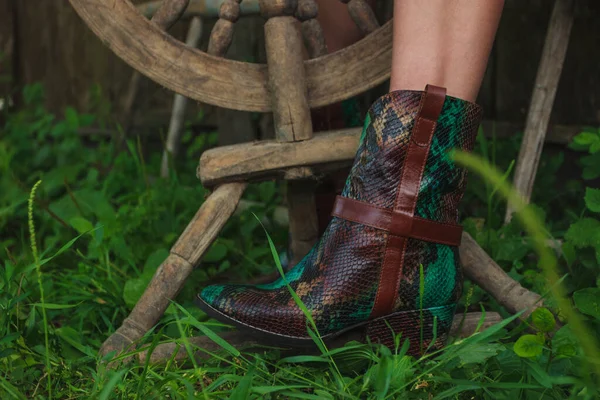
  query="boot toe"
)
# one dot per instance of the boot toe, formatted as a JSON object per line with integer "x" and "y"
{"x": 254, "y": 308}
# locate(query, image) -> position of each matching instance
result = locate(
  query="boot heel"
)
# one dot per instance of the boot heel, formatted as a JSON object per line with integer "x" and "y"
{"x": 425, "y": 329}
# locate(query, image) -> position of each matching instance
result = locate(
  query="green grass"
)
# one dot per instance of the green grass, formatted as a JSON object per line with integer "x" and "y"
{"x": 79, "y": 249}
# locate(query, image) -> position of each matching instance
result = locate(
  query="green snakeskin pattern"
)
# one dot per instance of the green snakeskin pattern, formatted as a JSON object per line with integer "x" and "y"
{"x": 337, "y": 280}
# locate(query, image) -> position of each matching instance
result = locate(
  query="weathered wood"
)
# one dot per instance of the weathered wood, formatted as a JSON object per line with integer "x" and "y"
{"x": 277, "y": 8}
{"x": 172, "y": 273}
{"x": 200, "y": 8}
{"x": 179, "y": 105}
{"x": 220, "y": 37}
{"x": 271, "y": 158}
{"x": 222, "y": 33}
{"x": 166, "y": 15}
{"x": 304, "y": 224}
{"x": 128, "y": 111}
{"x": 314, "y": 39}
{"x": 202, "y": 346}
{"x": 542, "y": 98}
{"x": 325, "y": 152}
{"x": 287, "y": 80}
{"x": 466, "y": 325}
{"x": 227, "y": 83}
{"x": 291, "y": 114}
{"x": 169, "y": 12}
{"x": 484, "y": 272}
{"x": 240, "y": 126}
{"x": 363, "y": 15}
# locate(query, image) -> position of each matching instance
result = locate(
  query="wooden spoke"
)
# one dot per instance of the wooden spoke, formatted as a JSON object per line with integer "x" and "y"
{"x": 311, "y": 28}
{"x": 169, "y": 12}
{"x": 479, "y": 267}
{"x": 363, "y": 15}
{"x": 222, "y": 33}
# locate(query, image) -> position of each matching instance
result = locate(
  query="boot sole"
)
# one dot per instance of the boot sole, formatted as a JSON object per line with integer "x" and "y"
{"x": 432, "y": 333}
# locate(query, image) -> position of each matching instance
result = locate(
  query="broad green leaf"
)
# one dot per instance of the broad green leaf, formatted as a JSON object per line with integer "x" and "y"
{"x": 9, "y": 338}
{"x": 584, "y": 233}
{"x": 215, "y": 253}
{"x": 86, "y": 119}
{"x": 591, "y": 166}
{"x": 564, "y": 337}
{"x": 134, "y": 288}
{"x": 543, "y": 320}
{"x": 512, "y": 249}
{"x": 529, "y": 346}
{"x": 480, "y": 352}
{"x": 402, "y": 369}
{"x": 72, "y": 118}
{"x": 588, "y": 301}
{"x": 381, "y": 375}
{"x": 81, "y": 224}
{"x": 96, "y": 202}
{"x": 566, "y": 350}
{"x": 592, "y": 199}
{"x": 155, "y": 259}
{"x": 586, "y": 138}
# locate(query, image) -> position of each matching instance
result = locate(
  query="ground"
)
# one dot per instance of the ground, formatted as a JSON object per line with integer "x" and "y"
{"x": 77, "y": 254}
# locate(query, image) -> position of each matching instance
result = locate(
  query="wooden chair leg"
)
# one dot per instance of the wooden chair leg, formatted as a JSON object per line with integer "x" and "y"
{"x": 304, "y": 226}
{"x": 480, "y": 269}
{"x": 542, "y": 98}
{"x": 172, "y": 273}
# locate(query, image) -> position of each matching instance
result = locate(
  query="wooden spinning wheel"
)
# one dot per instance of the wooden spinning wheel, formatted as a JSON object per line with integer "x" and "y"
{"x": 209, "y": 78}
{"x": 288, "y": 86}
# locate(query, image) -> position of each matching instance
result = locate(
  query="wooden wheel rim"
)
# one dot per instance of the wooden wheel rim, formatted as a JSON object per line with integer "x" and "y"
{"x": 227, "y": 83}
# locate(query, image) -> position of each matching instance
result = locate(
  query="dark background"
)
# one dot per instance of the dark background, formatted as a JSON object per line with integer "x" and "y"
{"x": 45, "y": 41}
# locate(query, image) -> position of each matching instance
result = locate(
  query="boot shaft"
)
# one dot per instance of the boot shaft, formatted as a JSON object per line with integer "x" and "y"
{"x": 378, "y": 164}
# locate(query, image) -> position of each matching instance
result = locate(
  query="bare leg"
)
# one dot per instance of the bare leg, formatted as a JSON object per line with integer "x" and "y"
{"x": 443, "y": 42}
{"x": 338, "y": 28}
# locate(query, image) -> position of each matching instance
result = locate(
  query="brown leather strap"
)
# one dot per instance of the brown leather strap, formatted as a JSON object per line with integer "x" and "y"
{"x": 406, "y": 197}
{"x": 396, "y": 223}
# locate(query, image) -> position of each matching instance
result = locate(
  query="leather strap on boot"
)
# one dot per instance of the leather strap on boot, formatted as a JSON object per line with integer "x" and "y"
{"x": 401, "y": 222}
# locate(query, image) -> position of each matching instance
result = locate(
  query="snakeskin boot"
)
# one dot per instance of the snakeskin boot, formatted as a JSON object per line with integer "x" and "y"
{"x": 394, "y": 228}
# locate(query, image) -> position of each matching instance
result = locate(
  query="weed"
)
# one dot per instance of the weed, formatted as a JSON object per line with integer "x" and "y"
{"x": 105, "y": 222}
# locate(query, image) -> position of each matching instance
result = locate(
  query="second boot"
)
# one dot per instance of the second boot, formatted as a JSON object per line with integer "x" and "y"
{"x": 394, "y": 228}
